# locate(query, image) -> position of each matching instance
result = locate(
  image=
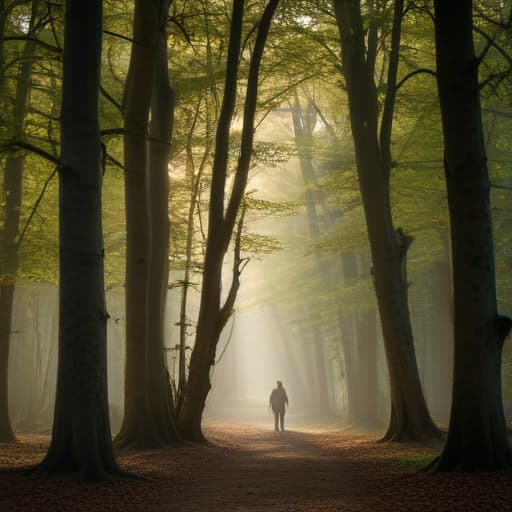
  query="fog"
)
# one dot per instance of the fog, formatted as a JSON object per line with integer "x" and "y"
{"x": 300, "y": 314}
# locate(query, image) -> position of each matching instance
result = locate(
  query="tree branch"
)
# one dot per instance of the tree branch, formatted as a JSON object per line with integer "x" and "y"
{"x": 181, "y": 28}
{"x": 246, "y": 143}
{"x": 120, "y": 36}
{"x": 491, "y": 43}
{"x": 34, "y": 40}
{"x": 33, "y": 149}
{"x": 389, "y": 101}
{"x": 111, "y": 99}
{"x": 36, "y": 205}
{"x": 414, "y": 73}
{"x": 112, "y": 131}
{"x": 238, "y": 266}
{"x": 115, "y": 162}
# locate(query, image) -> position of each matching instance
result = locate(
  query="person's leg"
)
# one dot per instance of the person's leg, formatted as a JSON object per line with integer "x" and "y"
{"x": 282, "y": 420}
{"x": 276, "y": 415}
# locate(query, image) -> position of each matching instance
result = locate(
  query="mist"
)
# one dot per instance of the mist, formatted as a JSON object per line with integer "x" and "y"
{"x": 294, "y": 321}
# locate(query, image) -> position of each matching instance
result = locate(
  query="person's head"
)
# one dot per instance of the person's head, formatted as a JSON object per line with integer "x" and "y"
{"x": 279, "y": 384}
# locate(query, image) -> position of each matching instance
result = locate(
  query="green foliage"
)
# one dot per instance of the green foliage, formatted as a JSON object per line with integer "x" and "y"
{"x": 257, "y": 243}
{"x": 302, "y": 61}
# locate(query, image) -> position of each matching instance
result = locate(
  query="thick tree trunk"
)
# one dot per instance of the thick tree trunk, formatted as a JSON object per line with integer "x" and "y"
{"x": 410, "y": 419}
{"x": 158, "y": 387}
{"x": 212, "y": 317}
{"x": 137, "y": 101}
{"x": 477, "y": 437}
{"x": 147, "y": 419}
{"x": 13, "y": 181}
{"x": 208, "y": 332}
{"x": 81, "y": 439}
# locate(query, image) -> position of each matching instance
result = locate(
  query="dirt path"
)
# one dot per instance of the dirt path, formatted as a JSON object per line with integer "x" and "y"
{"x": 247, "y": 468}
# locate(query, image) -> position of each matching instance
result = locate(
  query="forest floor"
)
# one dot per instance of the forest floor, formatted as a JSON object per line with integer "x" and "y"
{"x": 252, "y": 468}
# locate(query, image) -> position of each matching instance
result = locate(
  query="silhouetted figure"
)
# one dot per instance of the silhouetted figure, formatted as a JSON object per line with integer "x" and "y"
{"x": 278, "y": 402}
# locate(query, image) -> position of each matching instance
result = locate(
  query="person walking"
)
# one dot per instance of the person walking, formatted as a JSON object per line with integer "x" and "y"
{"x": 278, "y": 402}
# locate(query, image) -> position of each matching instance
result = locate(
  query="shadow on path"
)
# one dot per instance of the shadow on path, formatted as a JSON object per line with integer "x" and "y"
{"x": 253, "y": 468}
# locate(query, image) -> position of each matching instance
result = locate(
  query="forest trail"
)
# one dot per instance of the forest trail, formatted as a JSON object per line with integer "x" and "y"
{"x": 251, "y": 468}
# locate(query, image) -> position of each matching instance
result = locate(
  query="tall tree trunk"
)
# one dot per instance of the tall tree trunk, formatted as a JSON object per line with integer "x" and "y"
{"x": 147, "y": 421}
{"x": 13, "y": 181}
{"x": 158, "y": 387}
{"x": 477, "y": 437}
{"x": 81, "y": 439}
{"x": 349, "y": 339}
{"x": 322, "y": 402}
{"x": 303, "y": 123}
{"x": 350, "y": 361}
{"x": 212, "y": 317}
{"x": 195, "y": 177}
{"x": 410, "y": 419}
{"x": 367, "y": 342}
{"x": 304, "y": 120}
{"x": 208, "y": 330}
{"x": 137, "y": 101}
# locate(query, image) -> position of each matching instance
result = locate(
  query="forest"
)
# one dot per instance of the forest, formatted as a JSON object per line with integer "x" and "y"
{"x": 202, "y": 198}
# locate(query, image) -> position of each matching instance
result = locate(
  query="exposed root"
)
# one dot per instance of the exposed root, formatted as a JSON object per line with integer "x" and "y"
{"x": 409, "y": 435}
{"x": 141, "y": 438}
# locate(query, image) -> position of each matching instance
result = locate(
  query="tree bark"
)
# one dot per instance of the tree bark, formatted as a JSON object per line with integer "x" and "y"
{"x": 81, "y": 439}
{"x": 194, "y": 177}
{"x": 147, "y": 418}
{"x": 158, "y": 388}
{"x": 136, "y": 103}
{"x": 410, "y": 419}
{"x": 212, "y": 317}
{"x": 477, "y": 437}
{"x": 13, "y": 186}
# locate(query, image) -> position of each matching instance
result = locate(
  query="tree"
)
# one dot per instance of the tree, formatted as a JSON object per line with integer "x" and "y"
{"x": 159, "y": 395}
{"x": 9, "y": 248}
{"x": 304, "y": 120}
{"x": 81, "y": 439}
{"x": 410, "y": 419}
{"x": 357, "y": 339}
{"x": 477, "y": 437}
{"x": 148, "y": 419}
{"x": 221, "y": 222}
{"x": 197, "y": 111}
